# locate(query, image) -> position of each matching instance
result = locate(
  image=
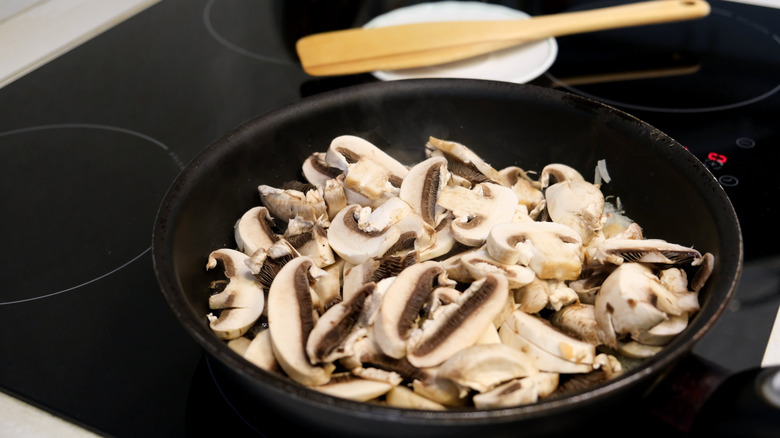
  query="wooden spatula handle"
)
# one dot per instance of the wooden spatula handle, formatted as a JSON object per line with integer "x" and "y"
{"x": 421, "y": 44}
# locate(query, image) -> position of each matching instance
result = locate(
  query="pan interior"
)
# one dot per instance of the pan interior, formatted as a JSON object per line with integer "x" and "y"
{"x": 663, "y": 187}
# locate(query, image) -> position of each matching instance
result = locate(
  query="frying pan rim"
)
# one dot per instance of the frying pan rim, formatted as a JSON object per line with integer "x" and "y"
{"x": 162, "y": 261}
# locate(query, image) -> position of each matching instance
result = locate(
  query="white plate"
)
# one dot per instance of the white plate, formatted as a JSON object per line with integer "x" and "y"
{"x": 520, "y": 64}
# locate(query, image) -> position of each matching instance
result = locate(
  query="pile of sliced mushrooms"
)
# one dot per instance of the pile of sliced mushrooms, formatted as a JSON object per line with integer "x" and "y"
{"x": 449, "y": 283}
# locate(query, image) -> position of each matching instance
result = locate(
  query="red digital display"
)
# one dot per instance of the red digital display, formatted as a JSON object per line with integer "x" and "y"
{"x": 716, "y": 157}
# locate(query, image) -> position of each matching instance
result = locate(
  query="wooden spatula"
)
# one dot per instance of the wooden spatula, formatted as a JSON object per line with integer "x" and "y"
{"x": 353, "y": 51}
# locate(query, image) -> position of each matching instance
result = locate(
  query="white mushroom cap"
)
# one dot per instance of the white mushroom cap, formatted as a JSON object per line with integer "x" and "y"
{"x": 557, "y": 172}
{"x": 317, "y": 171}
{"x": 347, "y": 149}
{"x": 253, "y": 231}
{"x": 552, "y": 250}
{"x": 577, "y": 204}
{"x": 528, "y": 193}
{"x": 479, "y": 263}
{"x": 626, "y": 303}
{"x": 477, "y": 210}
{"x": 357, "y": 234}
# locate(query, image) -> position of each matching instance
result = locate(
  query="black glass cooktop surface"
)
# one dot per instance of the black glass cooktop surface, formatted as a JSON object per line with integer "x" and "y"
{"x": 90, "y": 142}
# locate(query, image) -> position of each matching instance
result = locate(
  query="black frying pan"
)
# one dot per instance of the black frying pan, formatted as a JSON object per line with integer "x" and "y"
{"x": 662, "y": 186}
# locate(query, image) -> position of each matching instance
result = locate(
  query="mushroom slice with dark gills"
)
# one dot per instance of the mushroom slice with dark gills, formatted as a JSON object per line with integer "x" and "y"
{"x": 477, "y": 210}
{"x": 241, "y": 302}
{"x": 633, "y": 299}
{"x": 619, "y": 250}
{"x": 460, "y": 324}
{"x": 301, "y": 200}
{"x": 399, "y": 313}
{"x": 358, "y": 233}
{"x": 317, "y": 171}
{"x": 336, "y": 330}
{"x": 345, "y": 150}
{"x": 577, "y": 204}
{"x": 422, "y": 186}
{"x": 374, "y": 270}
{"x": 291, "y": 319}
{"x": 254, "y": 230}
{"x": 551, "y": 250}
{"x": 462, "y": 161}
{"x": 557, "y": 172}
{"x": 310, "y": 239}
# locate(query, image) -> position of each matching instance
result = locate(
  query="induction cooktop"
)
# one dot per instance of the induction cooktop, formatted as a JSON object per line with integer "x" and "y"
{"x": 90, "y": 142}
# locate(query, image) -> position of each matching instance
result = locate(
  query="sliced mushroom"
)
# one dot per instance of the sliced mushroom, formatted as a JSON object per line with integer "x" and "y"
{"x": 285, "y": 204}
{"x": 349, "y": 386}
{"x": 328, "y": 287}
{"x": 332, "y": 335}
{"x": 675, "y": 298}
{"x": 260, "y": 352}
{"x": 348, "y": 149}
{"x": 560, "y": 294}
{"x": 579, "y": 321}
{"x": 528, "y": 192}
{"x": 317, "y": 171}
{"x": 291, "y": 319}
{"x": 254, "y": 230}
{"x": 462, "y": 161}
{"x": 477, "y": 210}
{"x": 334, "y": 196}
{"x": 619, "y": 250}
{"x": 553, "y": 251}
{"x": 626, "y": 304}
{"x": 543, "y": 359}
{"x": 241, "y": 301}
{"x": 577, "y": 204}
{"x": 310, "y": 239}
{"x": 422, "y": 186}
{"x": 403, "y": 397}
{"x": 516, "y": 392}
{"x": 664, "y": 331}
{"x": 357, "y": 233}
{"x": 479, "y": 263}
{"x": 481, "y": 367}
{"x": 401, "y": 305}
{"x": 444, "y": 241}
{"x": 637, "y": 350}
{"x": 368, "y": 178}
{"x": 534, "y": 296}
{"x": 541, "y": 333}
{"x": 558, "y": 172}
{"x": 461, "y": 323}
